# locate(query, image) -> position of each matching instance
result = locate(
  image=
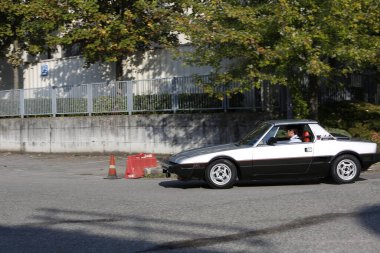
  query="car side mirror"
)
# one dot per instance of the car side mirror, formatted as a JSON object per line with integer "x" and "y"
{"x": 271, "y": 141}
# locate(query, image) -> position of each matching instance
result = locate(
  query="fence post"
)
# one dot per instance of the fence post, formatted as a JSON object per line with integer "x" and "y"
{"x": 89, "y": 99}
{"x": 253, "y": 99}
{"x": 174, "y": 95}
{"x": 53, "y": 100}
{"x": 289, "y": 107}
{"x": 130, "y": 97}
{"x": 226, "y": 99}
{"x": 22, "y": 103}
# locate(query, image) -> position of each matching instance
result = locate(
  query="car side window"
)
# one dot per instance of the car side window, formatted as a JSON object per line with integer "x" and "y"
{"x": 307, "y": 134}
{"x": 282, "y": 134}
{"x": 270, "y": 134}
{"x": 290, "y": 134}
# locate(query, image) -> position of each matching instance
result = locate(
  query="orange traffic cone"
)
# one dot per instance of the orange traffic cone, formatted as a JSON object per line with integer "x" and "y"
{"x": 112, "y": 170}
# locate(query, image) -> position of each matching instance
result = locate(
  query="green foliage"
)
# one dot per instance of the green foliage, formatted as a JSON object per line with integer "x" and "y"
{"x": 64, "y": 105}
{"x": 299, "y": 105}
{"x": 282, "y": 41}
{"x": 359, "y": 119}
{"x": 110, "y": 104}
{"x": 9, "y": 107}
{"x": 200, "y": 101}
{"x": 157, "y": 102}
{"x": 26, "y": 25}
{"x": 38, "y": 106}
{"x": 105, "y": 30}
{"x": 109, "y": 31}
{"x": 24, "y": 28}
{"x": 71, "y": 105}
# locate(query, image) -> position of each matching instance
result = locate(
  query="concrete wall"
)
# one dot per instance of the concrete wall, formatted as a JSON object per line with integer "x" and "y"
{"x": 162, "y": 134}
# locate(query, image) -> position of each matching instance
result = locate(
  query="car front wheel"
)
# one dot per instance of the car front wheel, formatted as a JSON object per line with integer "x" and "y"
{"x": 221, "y": 174}
{"x": 345, "y": 169}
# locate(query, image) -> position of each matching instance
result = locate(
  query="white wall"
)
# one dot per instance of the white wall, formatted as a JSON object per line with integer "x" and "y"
{"x": 156, "y": 63}
{"x": 66, "y": 71}
{"x": 160, "y": 63}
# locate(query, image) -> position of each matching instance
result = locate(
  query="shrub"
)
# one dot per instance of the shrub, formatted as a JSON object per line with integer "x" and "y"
{"x": 361, "y": 120}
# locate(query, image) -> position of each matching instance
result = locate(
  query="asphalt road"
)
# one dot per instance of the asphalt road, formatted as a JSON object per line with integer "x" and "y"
{"x": 61, "y": 203}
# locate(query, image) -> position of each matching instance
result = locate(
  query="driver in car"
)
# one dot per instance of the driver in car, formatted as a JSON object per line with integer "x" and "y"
{"x": 293, "y": 135}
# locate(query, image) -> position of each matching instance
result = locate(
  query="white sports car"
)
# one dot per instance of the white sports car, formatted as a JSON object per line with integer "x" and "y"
{"x": 277, "y": 148}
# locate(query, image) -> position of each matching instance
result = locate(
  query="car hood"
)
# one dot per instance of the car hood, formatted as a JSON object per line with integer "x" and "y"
{"x": 204, "y": 151}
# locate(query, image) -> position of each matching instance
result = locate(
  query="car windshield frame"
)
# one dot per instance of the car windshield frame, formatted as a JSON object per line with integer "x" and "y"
{"x": 256, "y": 134}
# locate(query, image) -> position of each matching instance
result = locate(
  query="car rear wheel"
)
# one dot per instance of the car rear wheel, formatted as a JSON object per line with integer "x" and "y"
{"x": 345, "y": 169}
{"x": 221, "y": 174}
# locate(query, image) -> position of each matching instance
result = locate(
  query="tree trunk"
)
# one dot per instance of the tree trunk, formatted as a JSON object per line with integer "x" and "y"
{"x": 119, "y": 70}
{"x": 15, "y": 65}
{"x": 313, "y": 96}
{"x": 16, "y": 77}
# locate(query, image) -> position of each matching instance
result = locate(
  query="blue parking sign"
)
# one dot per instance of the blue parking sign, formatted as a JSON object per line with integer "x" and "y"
{"x": 44, "y": 70}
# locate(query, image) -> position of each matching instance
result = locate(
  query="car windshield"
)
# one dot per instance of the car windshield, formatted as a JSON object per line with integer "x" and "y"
{"x": 255, "y": 135}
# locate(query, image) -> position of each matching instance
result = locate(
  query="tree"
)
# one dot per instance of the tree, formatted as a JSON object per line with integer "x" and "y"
{"x": 282, "y": 41}
{"x": 24, "y": 27}
{"x": 110, "y": 31}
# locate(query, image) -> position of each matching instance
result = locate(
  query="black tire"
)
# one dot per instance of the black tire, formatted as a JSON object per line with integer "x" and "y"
{"x": 221, "y": 174}
{"x": 345, "y": 169}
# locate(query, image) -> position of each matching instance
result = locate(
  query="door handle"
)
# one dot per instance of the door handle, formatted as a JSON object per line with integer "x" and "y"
{"x": 308, "y": 149}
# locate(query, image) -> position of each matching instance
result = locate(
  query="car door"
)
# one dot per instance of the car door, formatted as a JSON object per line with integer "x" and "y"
{"x": 282, "y": 157}
{"x": 291, "y": 158}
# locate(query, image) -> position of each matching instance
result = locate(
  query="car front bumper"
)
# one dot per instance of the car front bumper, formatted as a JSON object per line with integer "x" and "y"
{"x": 184, "y": 171}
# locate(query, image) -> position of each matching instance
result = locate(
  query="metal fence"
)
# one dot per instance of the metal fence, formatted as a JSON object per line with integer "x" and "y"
{"x": 157, "y": 95}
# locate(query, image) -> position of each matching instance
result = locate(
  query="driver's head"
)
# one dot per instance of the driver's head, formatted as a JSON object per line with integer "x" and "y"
{"x": 292, "y": 132}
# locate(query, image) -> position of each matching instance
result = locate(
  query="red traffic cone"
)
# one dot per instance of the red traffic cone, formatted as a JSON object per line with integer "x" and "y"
{"x": 112, "y": 170}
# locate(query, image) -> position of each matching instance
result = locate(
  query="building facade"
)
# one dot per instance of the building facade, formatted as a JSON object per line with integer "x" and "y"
{"x": 63, "y": 69}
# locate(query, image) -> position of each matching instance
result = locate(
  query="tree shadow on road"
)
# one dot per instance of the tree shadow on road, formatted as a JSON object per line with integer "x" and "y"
{"x": 369, "y": 217}
{"x": 60, "y": 230}
{"x": 40, "y": 239}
